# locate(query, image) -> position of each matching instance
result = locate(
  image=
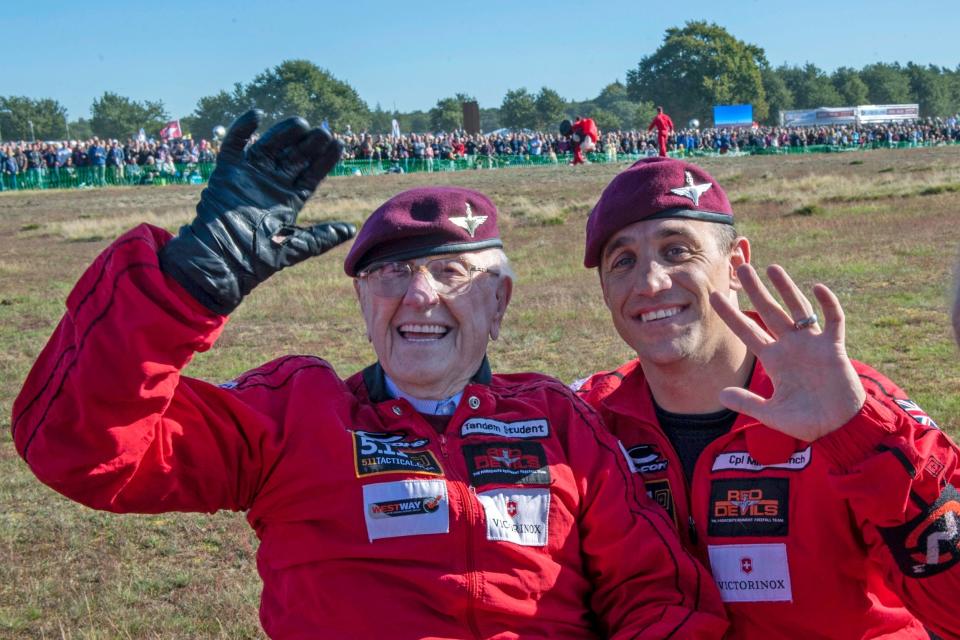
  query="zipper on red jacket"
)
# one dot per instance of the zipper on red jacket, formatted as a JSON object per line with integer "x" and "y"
{"x": 473, "y": 587}
{"x": 466, "y": 497}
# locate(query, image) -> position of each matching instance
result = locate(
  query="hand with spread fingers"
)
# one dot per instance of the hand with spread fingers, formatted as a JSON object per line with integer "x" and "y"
{"x": 816, "y": 389}
{"x": 245, "y": 229}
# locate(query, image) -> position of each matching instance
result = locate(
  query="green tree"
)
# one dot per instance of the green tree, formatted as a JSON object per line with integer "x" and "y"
{"x": 887, "y": 83}
{"x": 381, "y": 121}
{"x": 697, "y": 67}
{"x": 519, "y": 110}
{"x": 779, "y": 96}
{"x": 115, "y": 116}
{"x": 448, "y": 114}
{"x": 810, "y": 86}
{"x": 414, "y": 122}
{"x": 220, "y": 109}
{"x": 550, "y": 109}
{"x": 80, "y": 129}
{"x": 852, "y": 89}
{"x": 48, "y": 116}
{"x": 299, "y": 87}
{"x": 490, "y": 119}
{"x": 606, "y": 120}
{"x": 930, "y": 88}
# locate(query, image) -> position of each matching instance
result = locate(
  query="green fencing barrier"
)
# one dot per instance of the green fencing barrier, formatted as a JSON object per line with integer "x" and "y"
{"x": 88, "y": 177}
{"x": 130, "y": 175}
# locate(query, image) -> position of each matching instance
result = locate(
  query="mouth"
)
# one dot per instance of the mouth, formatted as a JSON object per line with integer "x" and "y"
{"x": 422, "y": 332}
{"x": 660, "y": 314}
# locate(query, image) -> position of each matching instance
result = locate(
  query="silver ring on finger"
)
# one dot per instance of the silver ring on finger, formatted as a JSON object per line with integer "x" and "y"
{"x": 806, "y": 323}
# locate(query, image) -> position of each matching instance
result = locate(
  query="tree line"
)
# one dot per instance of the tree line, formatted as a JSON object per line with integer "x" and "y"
{"x": 696, "y": 67}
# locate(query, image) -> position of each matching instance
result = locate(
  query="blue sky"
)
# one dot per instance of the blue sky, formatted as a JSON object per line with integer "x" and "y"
{"x": 407, "y": 55}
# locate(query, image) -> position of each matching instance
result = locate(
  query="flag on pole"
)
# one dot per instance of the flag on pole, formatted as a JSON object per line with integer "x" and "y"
{"x": 171, "y": 130}
{"x": 395, "y": 128}
{"x": 142, "y": 135}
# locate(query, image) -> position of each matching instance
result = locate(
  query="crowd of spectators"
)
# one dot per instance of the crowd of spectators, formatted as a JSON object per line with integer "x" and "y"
{"x": 139, "y": 161}
{"x": 483, "y": 147}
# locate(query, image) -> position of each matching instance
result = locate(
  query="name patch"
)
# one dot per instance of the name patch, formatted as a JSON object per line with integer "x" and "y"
{"x": 488, "y": 427}
{"x": 751, "y": 572}
{"x": 519, "y": 516}
{"x": 742, "y": 461}
{"x": 513, "y": 463}
{"x": 406, "y": 508}
{"x": 744, "y": 507}
{"x": 392, "y": 452}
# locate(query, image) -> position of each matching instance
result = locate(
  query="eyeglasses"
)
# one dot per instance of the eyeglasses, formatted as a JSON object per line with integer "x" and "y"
{"x": 450, "y": 276}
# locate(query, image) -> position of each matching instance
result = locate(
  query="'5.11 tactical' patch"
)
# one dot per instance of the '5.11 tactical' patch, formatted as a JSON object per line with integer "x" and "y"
{"x": 930, "y": 543}
{"x": 392, "y": 452}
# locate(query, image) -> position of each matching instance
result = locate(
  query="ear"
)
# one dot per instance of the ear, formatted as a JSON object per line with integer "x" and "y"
{"x": 504, "y": 293}
{"x": 362, "y": 299}
{"x": 740, "y": 254}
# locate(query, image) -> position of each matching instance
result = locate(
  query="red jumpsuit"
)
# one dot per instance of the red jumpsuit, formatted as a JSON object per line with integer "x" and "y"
{"x": 583, "y": 129}
{"x": 854, "y": 536}
{"x": 664, "y": 126}
{"x": 513, "y": 523}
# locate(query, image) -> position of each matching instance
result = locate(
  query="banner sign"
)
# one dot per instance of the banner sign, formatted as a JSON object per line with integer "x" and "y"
{"x": 863, "y": 114}
{"x": 888, "y": 112}
{"x": 733, "y": 115}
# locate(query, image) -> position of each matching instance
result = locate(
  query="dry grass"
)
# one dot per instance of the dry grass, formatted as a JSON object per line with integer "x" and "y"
{"x": 880, "y": 231}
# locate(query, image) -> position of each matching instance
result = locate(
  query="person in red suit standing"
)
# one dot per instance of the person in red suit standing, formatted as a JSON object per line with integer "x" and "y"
{"x": 664, "y": 126}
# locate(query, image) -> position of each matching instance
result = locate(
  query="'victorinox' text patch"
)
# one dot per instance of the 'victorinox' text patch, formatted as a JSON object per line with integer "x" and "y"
{"x": 392, "y": 452}
{"x": 406, "y": 508}
{"x": 742, "y": 461}
{"x": 519, "y": 516}
{"x": 514, "y": 463}
{"x": 751, "y": 572}
{"x": 749, "y": 507}
{"x": 489, "y": 427}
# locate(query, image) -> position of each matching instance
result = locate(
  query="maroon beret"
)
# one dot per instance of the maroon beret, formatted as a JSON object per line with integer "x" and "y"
{"x": 422, "y": 222}
{"x": 650, "y": 189}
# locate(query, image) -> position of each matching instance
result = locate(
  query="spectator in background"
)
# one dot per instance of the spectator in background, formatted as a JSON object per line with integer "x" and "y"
{"x": 97, "y": 159}
{"x": 115, "y": 161}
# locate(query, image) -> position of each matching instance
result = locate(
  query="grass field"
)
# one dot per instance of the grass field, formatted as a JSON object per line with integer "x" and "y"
{"x": 878, "y": 227}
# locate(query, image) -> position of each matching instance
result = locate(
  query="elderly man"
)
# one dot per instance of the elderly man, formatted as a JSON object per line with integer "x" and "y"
{"x": 421, "y": 497}
{"x": 824, "y": 499}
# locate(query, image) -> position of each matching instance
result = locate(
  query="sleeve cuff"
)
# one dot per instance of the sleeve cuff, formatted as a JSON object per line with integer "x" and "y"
{"x": 859, "y": 438}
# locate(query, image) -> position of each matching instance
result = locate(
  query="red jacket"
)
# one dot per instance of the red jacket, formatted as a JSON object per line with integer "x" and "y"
{"x": 851, "y": 537}
{"x": 510, "y": 524}
{"x": 663, "y": 123}
{"x": 587, "y": 128}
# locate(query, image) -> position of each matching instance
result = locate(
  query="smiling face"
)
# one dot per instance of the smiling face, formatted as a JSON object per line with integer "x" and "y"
{"x": 431, "y": 345}
{"x": 657, "y": 276}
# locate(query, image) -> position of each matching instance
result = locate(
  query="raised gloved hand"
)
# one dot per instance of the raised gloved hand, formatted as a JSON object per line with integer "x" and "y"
{"x": 245, "y": 229}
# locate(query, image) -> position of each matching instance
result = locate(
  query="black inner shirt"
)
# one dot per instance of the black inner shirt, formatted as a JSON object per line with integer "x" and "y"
{"x": 691, "y": 433}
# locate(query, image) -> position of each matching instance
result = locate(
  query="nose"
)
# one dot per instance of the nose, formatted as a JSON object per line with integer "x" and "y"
{"x": 651, "y": 280}
{"x": 420, "y": 292}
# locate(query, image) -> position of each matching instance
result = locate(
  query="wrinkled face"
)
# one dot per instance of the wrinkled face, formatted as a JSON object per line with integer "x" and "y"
{"x": 657, "y": 276}
{"x": 431, "y": 345}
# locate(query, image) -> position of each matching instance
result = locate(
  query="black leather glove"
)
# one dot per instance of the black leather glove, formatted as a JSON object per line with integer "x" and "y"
{"x": 245, "y": 229}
